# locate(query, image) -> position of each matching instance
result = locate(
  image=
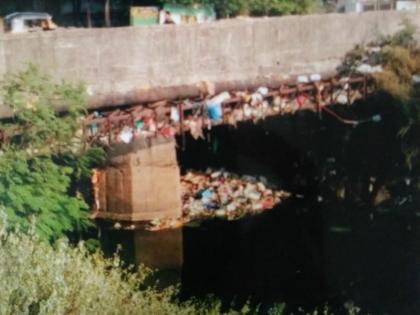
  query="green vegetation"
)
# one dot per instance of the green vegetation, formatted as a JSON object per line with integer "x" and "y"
{"x": 42, "y": 155}
{"x": 230, "y": 8}
{"x": 401, "y": 62}
{"x": 37, "y": 278}
{"x": 399, "y": 56}
{"x": 44, "y": 165}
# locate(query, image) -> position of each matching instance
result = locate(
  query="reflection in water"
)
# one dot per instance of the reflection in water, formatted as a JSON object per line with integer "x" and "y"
{"x": 294, "y": 254}
{"x": 354, "y": 236}
{"x": 161, "y": 251}
{"x": 274, "y": 257}
{"x": 301, "y": 254}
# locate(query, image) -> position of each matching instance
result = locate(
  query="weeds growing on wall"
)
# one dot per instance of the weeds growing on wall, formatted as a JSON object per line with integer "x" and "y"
{"x": 401, "y": 63}
{"x": 399, "y": 57}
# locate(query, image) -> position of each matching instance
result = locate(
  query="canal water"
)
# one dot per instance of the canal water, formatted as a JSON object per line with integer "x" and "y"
{"x": 349, "y": 235}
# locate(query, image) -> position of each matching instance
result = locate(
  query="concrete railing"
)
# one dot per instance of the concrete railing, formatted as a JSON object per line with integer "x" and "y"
{"x": 120, "y": 65}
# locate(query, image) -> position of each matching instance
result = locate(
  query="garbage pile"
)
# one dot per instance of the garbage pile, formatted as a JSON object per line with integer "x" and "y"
{"x": 390, "y": 61}
{"x": 220, "y": 194}
{"x": 196, "y": 116}
{"x": 248, "y": 106}
{"x": 166, "y": 118}
{"x": 365, "y": 61}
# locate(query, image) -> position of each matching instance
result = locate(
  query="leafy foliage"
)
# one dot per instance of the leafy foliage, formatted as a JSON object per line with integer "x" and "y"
{"x": 351, "y": 60}
{"x": 36, "y": 176}
{"x": 399, "y": 57}
{"x": 34, "y": 100}
{"x": 399, "y": 66}
{"x": 38, "y": 278}
{"x": 229, "y": 8}
{"x": 35, "y": 190}
{"x": 404, "y": 37}
{"x": 281, "y": 7}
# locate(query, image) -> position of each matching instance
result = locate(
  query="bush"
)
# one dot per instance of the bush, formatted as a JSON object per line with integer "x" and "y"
{"x": 404, "y": 37}
{"x": 230, "y": 8}
{"x": 399, "y": 56}
{"x": 399, "y": 66}
{"x": 37, "y": 278}
{"x": 282, "y": 7}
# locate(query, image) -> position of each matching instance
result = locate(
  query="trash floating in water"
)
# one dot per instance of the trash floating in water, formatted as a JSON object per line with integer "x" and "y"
{"x": 376, "y": 118}
{"x": 340, "y": 229}
{"x": 220, "y": 194}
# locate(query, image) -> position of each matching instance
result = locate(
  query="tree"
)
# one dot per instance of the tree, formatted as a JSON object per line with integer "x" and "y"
{"x": 281, "y": 7}
{"x": 107, "y": 13}
{"x": 229, "y": 8}
{"x": 38, "y": 142}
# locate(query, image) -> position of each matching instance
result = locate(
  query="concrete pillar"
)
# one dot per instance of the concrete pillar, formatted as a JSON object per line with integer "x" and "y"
{"x": 142, "y": 182}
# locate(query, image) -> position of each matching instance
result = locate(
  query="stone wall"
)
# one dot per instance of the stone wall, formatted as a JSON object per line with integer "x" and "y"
{"x": 126, "y": 61}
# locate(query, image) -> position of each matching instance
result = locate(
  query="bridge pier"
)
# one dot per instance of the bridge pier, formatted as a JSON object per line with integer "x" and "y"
{"x": 141, "y": 182}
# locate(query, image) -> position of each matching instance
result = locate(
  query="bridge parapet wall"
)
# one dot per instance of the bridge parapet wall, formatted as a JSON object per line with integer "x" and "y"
{"x": 123, "y": 61}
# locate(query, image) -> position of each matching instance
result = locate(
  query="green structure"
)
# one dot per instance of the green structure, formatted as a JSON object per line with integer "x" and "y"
{"x": 140, "y": 16}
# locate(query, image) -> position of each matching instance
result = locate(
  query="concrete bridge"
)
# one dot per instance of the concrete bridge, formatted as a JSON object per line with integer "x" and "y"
{"x": 131, "y": 66}
{"x": 142, "y": 180}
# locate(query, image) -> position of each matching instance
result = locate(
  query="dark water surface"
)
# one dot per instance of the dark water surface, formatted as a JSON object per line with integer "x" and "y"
{"x": 335, "y": 244}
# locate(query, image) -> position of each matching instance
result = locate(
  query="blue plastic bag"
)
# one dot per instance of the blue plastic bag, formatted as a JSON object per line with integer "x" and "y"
{"x": 214, "y": 111}
{"x": 214, "y": 106}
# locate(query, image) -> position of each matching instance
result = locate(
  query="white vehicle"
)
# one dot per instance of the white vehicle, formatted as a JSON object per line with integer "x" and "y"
{"x": 22, "y": 22}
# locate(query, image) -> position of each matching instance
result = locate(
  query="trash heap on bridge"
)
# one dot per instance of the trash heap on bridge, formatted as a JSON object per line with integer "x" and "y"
{"x": 211, "y": 194}
{"x": 168, "y": 118}
{"x": 220, "y": 194}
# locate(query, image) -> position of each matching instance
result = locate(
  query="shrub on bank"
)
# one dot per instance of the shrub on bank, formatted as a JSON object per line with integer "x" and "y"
{"x": 39, "y": 278}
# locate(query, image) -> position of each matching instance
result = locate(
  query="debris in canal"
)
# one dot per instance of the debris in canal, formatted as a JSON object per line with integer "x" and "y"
{"x": 220, "y": 194}
{"x": 340, "y": 229}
